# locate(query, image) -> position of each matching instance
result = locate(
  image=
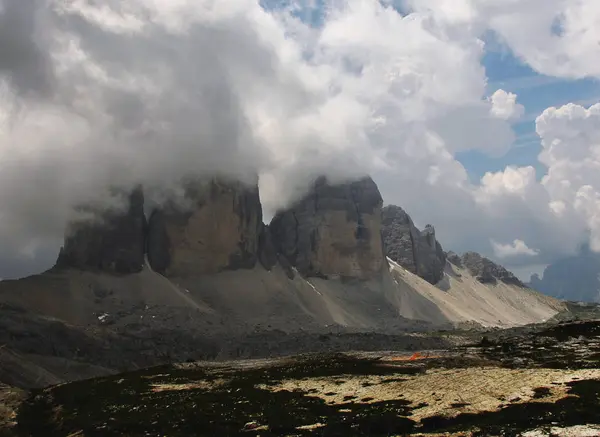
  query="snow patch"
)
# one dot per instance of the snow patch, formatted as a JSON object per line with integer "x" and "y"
{"x": 393, "y": 263}
{"x": 314, "y": 288}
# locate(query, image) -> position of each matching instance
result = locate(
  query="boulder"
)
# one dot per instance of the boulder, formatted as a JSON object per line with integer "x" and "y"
{"x": 217, "y": 229}
{"x": 417, "y": 251}
{"x": 112, "y": 242}
{"x": 333, "y": 231}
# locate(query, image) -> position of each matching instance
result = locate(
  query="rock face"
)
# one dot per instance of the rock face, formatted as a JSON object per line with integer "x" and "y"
{"x": 267, "y": 252}
{"x": 114, "y": 244}
{"x": 334, "y": 231}
{"x": 488, "y": 272}
{"x": 454, "y": 258}
{"x": 576, "y": 278}
{"x": 219, "y": 231}
{"x": 417, "y": 251}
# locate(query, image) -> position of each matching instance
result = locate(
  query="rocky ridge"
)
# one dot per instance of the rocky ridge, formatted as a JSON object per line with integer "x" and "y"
{"x": 485, "y": 270}
{"x": 334, "y": 231}
{"x": 417, "y": 251}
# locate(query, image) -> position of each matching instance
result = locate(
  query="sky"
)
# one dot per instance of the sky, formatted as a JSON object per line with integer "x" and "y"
{"x": 481, "y": 117}
{"x": 536, "y": 92}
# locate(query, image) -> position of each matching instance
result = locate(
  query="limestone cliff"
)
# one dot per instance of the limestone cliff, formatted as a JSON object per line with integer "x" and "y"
{"x": 219, "y": 230}
{"x": 417, "y": 251}
{"x": 333, "y": 231}
{"x": 113, "y": 242}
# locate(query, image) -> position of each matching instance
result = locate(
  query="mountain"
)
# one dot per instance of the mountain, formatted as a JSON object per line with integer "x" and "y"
{"x": 112, "y": 242}
{"x": 218, "y": 230}
{"x": 417, "y": 251}
{"x": 485, "y": 270}
{"x": 461, "y": 289}
{"x": 575, "y": 278}
{"x": 205, "y": 278}
{"x": 464, "y": 300}
{"x": 334, "y": 231}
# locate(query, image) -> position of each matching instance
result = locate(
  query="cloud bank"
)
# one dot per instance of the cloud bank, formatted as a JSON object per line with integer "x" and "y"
{"x": 122, "y": 93}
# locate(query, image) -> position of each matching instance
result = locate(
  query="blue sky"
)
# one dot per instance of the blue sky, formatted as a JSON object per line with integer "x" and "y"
{"x": 536, "y": 92}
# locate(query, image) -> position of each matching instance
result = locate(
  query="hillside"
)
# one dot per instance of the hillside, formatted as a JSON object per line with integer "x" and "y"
{"x": 462, "y": 299}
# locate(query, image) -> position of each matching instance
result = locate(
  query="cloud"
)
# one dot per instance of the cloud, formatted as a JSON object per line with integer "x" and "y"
{"x": 554, "y": 37}
{"x": 516, "y": 248}
{"x": 151, "y": 92}
{"x": 505, "y": 106}
{"x": 121, "y": 93}
{"x": 24, "y": 59}
{"x": 571, "y": 151}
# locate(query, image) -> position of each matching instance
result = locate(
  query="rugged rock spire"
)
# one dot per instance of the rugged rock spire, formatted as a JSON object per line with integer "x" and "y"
{"x": 417, "y": 251}
{"x": 333, "y": 231}
{"x": 113, "y": 242}
{"x": 219, "y": 231}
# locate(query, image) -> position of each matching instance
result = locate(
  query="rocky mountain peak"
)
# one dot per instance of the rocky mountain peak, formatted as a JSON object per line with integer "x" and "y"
{"x": 333, "y": 231}
{"x": 219, "y": 230}
{"x": 112, "y": 242}
{"x": 417, "y": 251}
{"x": 488, "y": 272}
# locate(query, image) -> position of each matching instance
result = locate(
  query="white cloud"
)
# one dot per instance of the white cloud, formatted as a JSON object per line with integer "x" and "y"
{"x": 513, "y": 181}
{"x": 571, "y": 150}
{"x": 505, "y": 106}
{"x": 555, "y": 37}
{"x": 516, "y": 248}
{"x": 150, "y": 91}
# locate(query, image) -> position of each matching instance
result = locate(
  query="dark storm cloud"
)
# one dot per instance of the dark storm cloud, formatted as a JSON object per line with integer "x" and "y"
{"x": 24, "y": 60}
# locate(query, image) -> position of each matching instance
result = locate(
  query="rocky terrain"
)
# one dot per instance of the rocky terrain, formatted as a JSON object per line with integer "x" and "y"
{"x": 485, "y": 270}
{"x": 464, "y": 300}
{"x": 530, "y": 383}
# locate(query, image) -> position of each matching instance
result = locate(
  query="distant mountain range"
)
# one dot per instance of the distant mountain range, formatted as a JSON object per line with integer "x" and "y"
{"x": 575, "y": 278}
